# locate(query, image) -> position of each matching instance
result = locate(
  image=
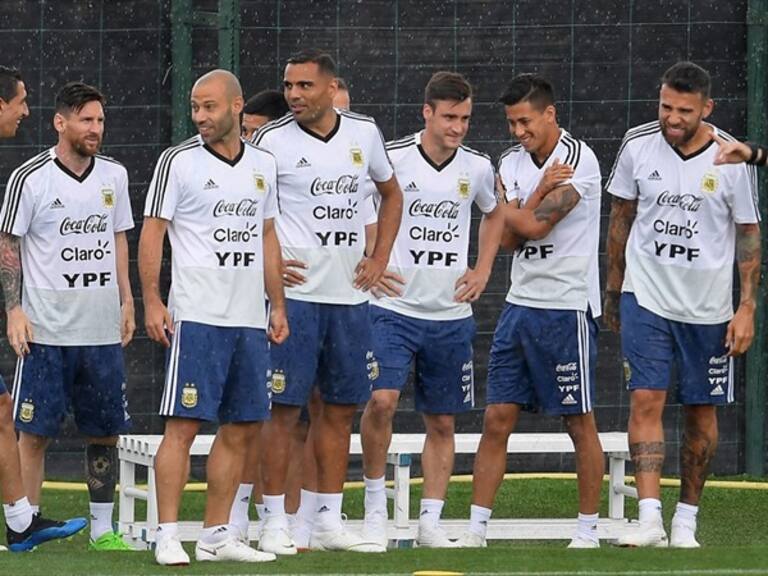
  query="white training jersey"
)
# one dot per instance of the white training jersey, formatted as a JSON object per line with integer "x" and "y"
{"x": 680, "y": 251}
{"x": 559, "y": 271}
{"x": 216, "y": 210}
{"x": 322, "y": 200}
{"x": 432, "y": 245}
{"x": 67, "y": 225}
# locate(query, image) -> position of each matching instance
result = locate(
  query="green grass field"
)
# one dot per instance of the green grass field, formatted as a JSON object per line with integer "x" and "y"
{"x": 733, "y": 530}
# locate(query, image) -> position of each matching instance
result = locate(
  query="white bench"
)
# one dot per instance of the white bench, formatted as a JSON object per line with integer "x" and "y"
{"x": 140, "y": 450}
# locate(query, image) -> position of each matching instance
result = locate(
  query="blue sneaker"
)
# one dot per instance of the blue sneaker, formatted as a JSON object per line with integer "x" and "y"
{"x": 42, "y": 530}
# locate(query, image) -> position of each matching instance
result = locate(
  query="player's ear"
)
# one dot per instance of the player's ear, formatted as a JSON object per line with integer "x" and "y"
{"x": 59, "y": 122}
{"x": 427, "y": 111}
{"x": 709, "y": 106}
{"x": 237, "y": 105}
{"x": 551, "y": 113}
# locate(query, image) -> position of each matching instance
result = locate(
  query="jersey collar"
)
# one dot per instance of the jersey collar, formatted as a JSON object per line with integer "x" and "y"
{"x": 541, "y": 165}
{"x": 428, "y": 160}
{"x": 71, "y": 174}
{"x": 224, "y": 159}
{"x": 693, "y": 154}
{"x": 327, "y": 137}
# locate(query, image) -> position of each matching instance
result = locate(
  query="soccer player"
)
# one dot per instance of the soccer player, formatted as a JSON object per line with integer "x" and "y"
{"x": 25, "y": 528}
{"x": 323, "y": 157}
{"x": 544, "y": 349}
{"x": 215, "y": 195}
{"x": 66, "y": 212}
{"x": 428, "y": 318}
{"x": 676, "y": 221}
{"x": 261, "y": 108}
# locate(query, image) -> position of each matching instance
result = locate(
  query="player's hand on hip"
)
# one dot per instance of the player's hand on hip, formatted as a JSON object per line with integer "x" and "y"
{"x": 127, "y": 323}
{"x": 555, "y": 175}
{"x": 741, "y": 331}
{"x": 611, "y": 314}
{"x": 158, "y": 321}
{"x": 390, "y": 284}
{"x": 291, "y": 275}
{"x": 470, "y": 286}
{"x": 368, "y": 272}
{"x": 730, "y": 152}
{"x": 278, "y": 326}
{"x": 19, "y": 331}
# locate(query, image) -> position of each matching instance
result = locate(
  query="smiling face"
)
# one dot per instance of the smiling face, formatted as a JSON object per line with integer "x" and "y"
{"x": 309, "y": 91}
{"x": 448, "y": 122}
{"x": 13, "y": 112}
{"x": 83, "y": 130}
{"x": 214, "y": 112}
{"x": 681, "y": 114}
{"x": 532, "y": 126}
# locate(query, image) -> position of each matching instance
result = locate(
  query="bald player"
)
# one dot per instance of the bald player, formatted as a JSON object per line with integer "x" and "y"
{"x": 215, "y": 196}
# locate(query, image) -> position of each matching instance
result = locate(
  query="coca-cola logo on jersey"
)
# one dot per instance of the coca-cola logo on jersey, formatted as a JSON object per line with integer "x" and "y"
{"x": 685, "y": 202}
{"x": 246, "y": 207}
{"x": 346, "y": 184}
{"x": 93, "y": 224}
{"x": 448, "y": 209}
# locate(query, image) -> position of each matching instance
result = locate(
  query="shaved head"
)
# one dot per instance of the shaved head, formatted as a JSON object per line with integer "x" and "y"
{"x": 223, "y": 78}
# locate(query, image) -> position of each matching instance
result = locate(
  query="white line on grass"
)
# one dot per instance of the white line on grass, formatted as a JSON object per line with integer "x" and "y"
{"x": 699, "y": 572}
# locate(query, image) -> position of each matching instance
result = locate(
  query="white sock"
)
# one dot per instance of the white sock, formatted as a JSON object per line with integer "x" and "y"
{"x": 307, "y": 508}
{"x": 260, "y": 511}
{"x": 18, "y": 515}
{"x": 328, "y": 515}
{"x": 215, "y": 534}
{"x": 101, "y": 518}
{"x": 375, "y": 496}
{"x": 650, "y": 510}
{"x": 430, "y": 511}
{"x": 35, "y": 508}
{"x": 166, "y": 530}
{"x": 238, "y": 514}
{"x": 686, "y": 512}
{"x": 274, "y": 511}
{"x": 588, "y": 526}
{"x": 478, "y": 519}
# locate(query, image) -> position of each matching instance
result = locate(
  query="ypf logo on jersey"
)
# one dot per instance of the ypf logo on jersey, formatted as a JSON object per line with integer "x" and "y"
{"x": 260, "y": 183}
{"x": 356, "y": 155}
{"x": 189, "y": 395}
{"x": 709, "y": 182}
{"x": 108, "y": 197}
{"x": 463, "y": 188}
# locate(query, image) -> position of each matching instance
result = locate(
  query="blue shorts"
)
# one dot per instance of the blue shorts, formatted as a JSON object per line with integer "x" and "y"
{"x": 329, "y": 345}
{"x": 3, "y": 389}
{"x": 88, "y": 380}
{"x": 442, "y": 350}
{"x": 651, "y": 345}
{"x": 216, "y": 373}
{"x": 543, "y": 358}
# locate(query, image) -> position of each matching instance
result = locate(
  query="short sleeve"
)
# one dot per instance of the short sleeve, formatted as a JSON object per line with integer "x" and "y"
{"x": 123, "y": 216}
{"x": 486, "y": 194}
{"x": 165, "y": 189}
{"x": 586, "y": 175}
{"x": 621, "y": 182}
{"x": 271, "y": 202}
{"x": 379, "y": 166}
{"x": 18, "y": 204}
{"x": 742, "y": 194}
{"x": 507, "y": 178}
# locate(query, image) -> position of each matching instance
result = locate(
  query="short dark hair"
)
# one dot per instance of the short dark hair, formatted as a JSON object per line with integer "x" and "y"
{"x": 324, "y": 61}
{"x": 447, "y": 86}
{"x": 74, "y": 95}
{"x": 688, "y": 77}
{"x": 269, "y": 103}
{"x": 531, "y": 88}
{"x": 342, "y": 84}
{"x": 9, "y": 83}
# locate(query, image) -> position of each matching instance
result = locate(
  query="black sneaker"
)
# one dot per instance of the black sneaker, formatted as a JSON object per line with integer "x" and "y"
{"x": 42, "y": 530}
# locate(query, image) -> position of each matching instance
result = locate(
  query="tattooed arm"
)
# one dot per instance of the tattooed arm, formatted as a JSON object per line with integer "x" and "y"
{"x": 19, "y": 328}
{"x": 741, "y": 329}
{"x": 536, "y": 223}
{"x": 623, "y": 214}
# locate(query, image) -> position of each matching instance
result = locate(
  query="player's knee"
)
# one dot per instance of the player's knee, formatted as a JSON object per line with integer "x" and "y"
{"x": 496, "y": 424}
{"x": 581, "y": 428}
{"x": 101, "y": 472}
{"x": 6, "y": 412}
{"x": 180, "y": 432}
{"x": 646, "y": 406}
{"x": 33, "y": 442}
{"x": 382, "y": 406}
{"x": 440, "y": 426}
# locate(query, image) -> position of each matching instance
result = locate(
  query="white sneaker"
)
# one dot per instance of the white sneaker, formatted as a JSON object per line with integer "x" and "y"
{"x": 580, "y": 541}
{"x": 341, "y": 539}
{"x": 231, "y": 549}
{"x": 472, "y": 540}
{"x": 3, "y": 548}
{"x": 169, "y": 552}
{"x": 276, "y": 539}
{"x": 683, "y": 535}
{"x": 647, "y": 534}
{"x": 436, "y": 537}
{"x": 300, "y": 534}
{"x": 375, "y": 528}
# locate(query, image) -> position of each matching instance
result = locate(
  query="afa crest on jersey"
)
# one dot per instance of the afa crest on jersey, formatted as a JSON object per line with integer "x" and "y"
{"x": 260, "y": 183}
{"x": 356, "y": 155}
{"x": 108, "y": 197}
{"x": 189, "y": 396}
{"x": 463, "y": 187}
{"x": 709, "y": 182}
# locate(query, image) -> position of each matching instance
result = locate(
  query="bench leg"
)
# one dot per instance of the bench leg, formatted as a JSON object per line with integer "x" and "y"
{"x": 616, "y": 478}
{"x": 127, "y": 503}
{"x": 402, "y": 496}
{"x": 151, "y": 504}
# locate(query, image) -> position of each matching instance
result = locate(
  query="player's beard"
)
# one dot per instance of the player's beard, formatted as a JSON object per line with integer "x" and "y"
{"x": 687, "y": 136}
{"x": 84, "y": 149}
{"x": 220, "y": 129}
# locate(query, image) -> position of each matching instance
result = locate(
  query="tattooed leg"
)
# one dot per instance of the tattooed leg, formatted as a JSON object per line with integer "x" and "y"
{"x": 696, "y": 452}
{"x": 646, "y": 440}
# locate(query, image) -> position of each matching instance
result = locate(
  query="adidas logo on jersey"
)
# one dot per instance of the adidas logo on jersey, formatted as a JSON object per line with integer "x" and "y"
{"x": 303, "y": 163}
{"x": 654, "y": 176}
{"x": 57, "y": 204}
{"x": 717, "y": 391}
{"x": 411, "y": 187}
{"x": 569, "y": 400}
{"x": 210, "y": 185}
